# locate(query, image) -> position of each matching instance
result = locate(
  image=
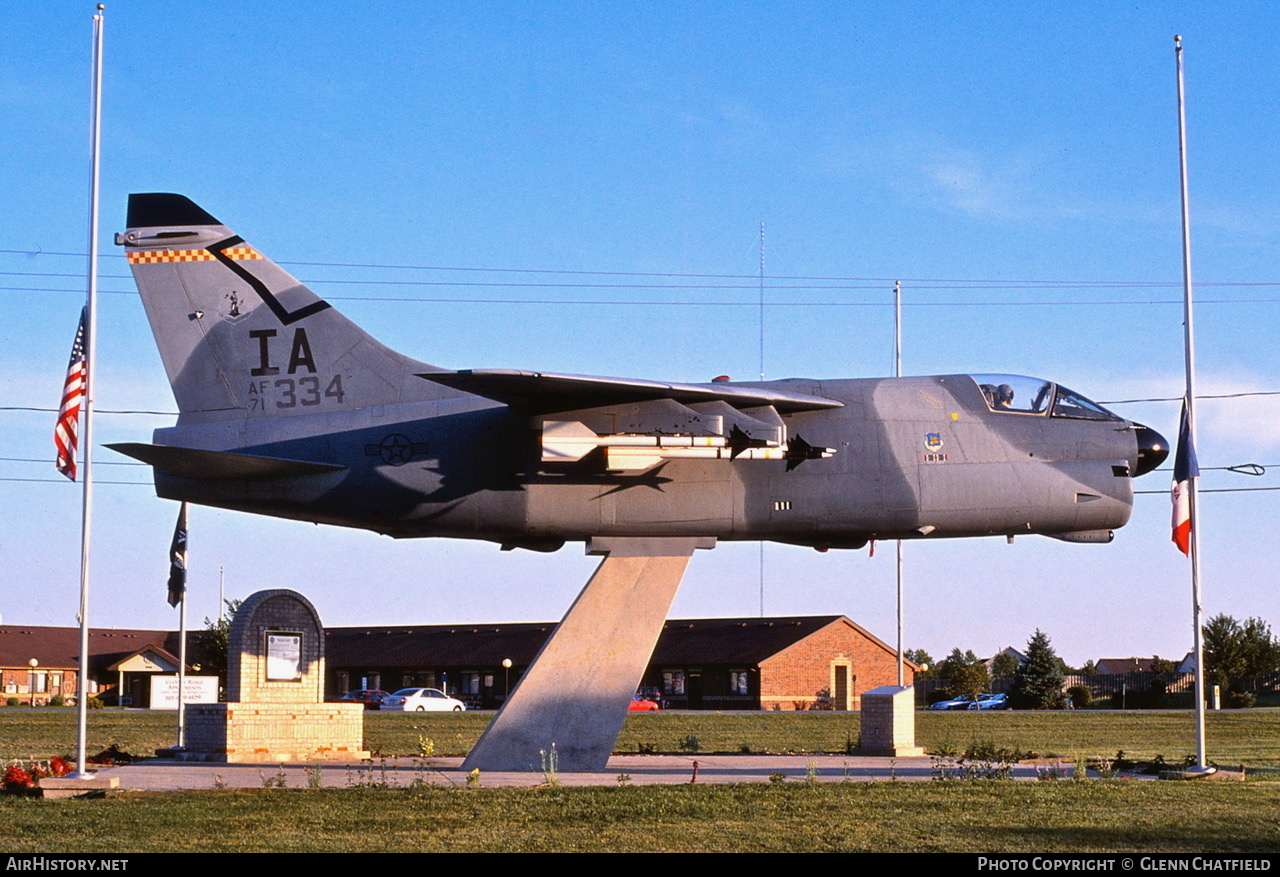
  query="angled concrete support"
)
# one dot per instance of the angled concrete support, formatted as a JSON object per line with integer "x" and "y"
{"x": 576, "y": 692}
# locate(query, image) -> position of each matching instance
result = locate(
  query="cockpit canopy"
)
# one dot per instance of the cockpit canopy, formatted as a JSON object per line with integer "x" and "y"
{"x": 1019, "y": 394}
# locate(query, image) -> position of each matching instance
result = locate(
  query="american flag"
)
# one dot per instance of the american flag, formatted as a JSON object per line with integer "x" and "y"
{"x": 66, "y": 431}
{"x": 1185, "y": 468}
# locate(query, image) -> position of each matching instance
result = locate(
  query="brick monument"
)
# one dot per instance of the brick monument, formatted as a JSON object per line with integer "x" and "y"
{"x": 889, "y": 722}
{"x": 275, "y": 709}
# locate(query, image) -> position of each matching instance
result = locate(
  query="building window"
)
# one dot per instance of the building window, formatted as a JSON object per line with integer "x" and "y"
{"x": 739, "y": 682}
{"x": 470, "y": 682}
{"x": 673, "y": 682}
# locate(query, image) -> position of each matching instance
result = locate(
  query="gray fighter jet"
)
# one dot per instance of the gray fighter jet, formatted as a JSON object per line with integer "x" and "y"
{"x": 289, "y": 409}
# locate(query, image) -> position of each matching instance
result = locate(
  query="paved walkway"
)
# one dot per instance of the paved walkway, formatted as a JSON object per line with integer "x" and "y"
{"x": 164, "y": 775}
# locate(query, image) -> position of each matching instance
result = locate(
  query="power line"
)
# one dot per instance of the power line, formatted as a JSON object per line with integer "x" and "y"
{"x": 65, "y": 481}
{"x": 95, "y": 411}
{"x": 96, "y": 462}
{"x": 1212, "y": 490}
{"x": 683, "y": 303}
{"x": 1198, "y": 396}
{"x": 873, "y": 282}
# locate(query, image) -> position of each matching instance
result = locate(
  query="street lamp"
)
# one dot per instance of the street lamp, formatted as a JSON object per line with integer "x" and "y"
{"x": 506, "y": 666}
{"x": 31, "y": 681}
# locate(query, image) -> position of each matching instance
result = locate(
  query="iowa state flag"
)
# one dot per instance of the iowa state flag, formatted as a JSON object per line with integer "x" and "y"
{"x": 1185, "y": 468}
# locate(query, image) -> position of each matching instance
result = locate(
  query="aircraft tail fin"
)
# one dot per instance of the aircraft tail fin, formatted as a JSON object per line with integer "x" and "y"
{"x": 239, "y": 336}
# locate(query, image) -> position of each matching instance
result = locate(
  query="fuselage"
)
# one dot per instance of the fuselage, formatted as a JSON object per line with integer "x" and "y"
{"x": 914, "y": 457}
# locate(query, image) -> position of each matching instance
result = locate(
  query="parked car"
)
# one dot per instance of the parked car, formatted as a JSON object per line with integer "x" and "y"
{"x": 640, "y": 704}
{"x": 990, "y": 702}
{"x": 953, "y": 703}
{"x": 370, "y": 697}
{"x": 429, "y": 700}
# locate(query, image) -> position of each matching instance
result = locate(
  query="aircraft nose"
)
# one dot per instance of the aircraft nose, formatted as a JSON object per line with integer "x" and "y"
{"x": 1152, "y": 449}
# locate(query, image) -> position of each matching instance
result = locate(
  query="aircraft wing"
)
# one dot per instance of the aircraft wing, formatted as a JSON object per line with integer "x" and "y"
{"x": 544, "y": 393}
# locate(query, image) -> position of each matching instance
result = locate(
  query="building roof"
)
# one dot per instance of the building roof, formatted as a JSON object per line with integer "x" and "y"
{"x": 448, "y": 644}
{"x": 58, "y": 648}
{"x": 683, "y": 641}
{"x": 1112, "y": 666}
{"x": 741, "y": 641}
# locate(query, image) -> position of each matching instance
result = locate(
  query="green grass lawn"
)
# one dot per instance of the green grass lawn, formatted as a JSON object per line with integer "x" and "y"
{"x": 951, "y": 816}
{"x": 1251, "y": 737}
{"x": 955, "y": 816}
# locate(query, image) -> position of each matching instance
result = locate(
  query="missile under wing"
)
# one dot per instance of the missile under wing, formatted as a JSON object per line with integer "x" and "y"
{"x": 289, "y": 409}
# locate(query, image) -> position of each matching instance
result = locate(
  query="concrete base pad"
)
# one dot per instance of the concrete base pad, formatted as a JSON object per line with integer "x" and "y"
{"x": 1219, "y": 775}
{"x": 894, "y": 752}
{"x": 74, "y": 787}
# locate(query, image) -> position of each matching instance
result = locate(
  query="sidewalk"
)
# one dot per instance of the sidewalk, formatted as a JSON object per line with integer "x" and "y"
{"x": 164, "y": 775}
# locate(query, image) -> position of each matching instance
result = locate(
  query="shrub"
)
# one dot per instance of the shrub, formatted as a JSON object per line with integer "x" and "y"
{"x": 1080, "y": 696}
{"x": 1241, "y": 700}
{"x": 689, "y": 743}
{"x": 12, "y": 701}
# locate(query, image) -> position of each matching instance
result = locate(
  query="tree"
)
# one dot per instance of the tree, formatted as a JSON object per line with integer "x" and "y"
{"x": 921, "y": 659}
{"x": 213, "y": 642}
{"x": 965, "y": 673}
{"x": 1162, "y": 665}
{"x": 1233, "y": 650}
{"x": 1038, "y": 683}
{"x": 1004, "y": 664}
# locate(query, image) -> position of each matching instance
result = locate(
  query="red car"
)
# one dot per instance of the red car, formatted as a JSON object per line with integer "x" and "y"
{"x": 642, "y": 705}
{"x": 370, "y": 697}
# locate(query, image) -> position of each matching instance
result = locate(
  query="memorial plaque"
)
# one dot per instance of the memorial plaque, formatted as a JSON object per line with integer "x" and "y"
{"x": 284, "y": 657}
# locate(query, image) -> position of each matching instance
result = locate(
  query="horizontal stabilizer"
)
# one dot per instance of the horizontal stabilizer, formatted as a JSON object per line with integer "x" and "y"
{"x": 542, "y": 393}
{"x": 220, "y": 465}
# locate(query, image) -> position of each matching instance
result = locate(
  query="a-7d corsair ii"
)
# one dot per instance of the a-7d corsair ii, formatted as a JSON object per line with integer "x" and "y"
{"x": 289, "y": 409}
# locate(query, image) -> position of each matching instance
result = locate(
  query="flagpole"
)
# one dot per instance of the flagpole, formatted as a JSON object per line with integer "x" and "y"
{"x": 90, "y": 379}
{"x": 181, "y": 561}
{"x": 182, "y": 673}
{"x": 1197, "y": 610}
{"x": 897, "y": 373}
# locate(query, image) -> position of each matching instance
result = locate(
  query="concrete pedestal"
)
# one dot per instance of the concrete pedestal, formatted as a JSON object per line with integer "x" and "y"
{"x": 575, "y": 694}
{"x": 889, "y": 722}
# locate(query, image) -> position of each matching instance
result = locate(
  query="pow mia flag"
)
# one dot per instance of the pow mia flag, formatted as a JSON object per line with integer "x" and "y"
{"x": 178, "y": 559}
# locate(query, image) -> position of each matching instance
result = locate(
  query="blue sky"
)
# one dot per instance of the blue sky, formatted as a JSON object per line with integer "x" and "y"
{"x": 1015, "y": 167}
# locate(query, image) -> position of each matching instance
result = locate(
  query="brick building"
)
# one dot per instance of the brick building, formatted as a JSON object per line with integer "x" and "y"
{"x": 795, "y": 662}
{"x": 785, "y": 663}
{"x": 120, "y": 661}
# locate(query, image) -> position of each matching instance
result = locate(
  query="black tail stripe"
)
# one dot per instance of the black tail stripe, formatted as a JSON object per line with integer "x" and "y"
{"x": 285, "y": 317}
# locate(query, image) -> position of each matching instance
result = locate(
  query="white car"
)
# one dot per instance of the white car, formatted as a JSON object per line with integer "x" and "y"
{"x": 428, "y": 700}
